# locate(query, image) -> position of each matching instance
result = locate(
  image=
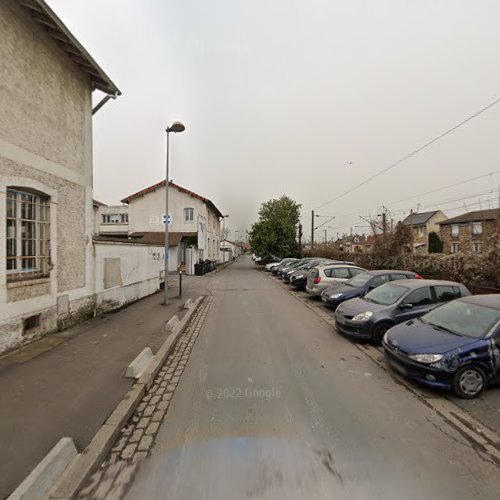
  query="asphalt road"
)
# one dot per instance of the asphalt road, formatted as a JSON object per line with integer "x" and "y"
{"x": 274, "y": 404}
{"x": 69, "y": 382}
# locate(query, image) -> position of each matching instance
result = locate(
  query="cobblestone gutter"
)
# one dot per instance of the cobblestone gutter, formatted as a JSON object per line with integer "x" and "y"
{"x": 137, "y": 437}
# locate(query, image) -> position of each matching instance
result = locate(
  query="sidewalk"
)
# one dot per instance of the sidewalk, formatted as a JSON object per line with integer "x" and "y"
{"x": 69, "y": 382}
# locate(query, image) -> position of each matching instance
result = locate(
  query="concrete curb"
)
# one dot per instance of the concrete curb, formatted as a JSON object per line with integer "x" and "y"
{"x": 43, "y": 477}
{"x": 139, "y": 364}
{"x": 171, "y": 324}
{"x": 85, "y": 463}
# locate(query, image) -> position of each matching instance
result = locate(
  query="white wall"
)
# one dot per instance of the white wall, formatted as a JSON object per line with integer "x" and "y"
{"x": 126, "y": 272}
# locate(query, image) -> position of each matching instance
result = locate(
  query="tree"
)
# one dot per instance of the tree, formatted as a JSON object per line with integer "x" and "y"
{"x": 274, "y": 233}
{"x": 435, "y": 243}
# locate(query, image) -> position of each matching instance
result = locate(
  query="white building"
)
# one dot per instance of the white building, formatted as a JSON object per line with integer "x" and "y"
{"x": 229, "y": 250}
{"x": 194, "y": 222}
{"x": 46, "y": 210}
{"x": 110, "y": 219}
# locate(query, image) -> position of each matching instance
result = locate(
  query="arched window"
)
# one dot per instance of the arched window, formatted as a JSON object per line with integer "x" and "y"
{"x": 28, "y": 234}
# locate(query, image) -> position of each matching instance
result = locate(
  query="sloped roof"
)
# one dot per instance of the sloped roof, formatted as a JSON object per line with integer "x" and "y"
{"x": 56, "y": 29}
{"x": 476, "y": 216}
{"x": 417, "y": 219}
{"x": 161, "y": 184}
{"x": 96, "y": 203}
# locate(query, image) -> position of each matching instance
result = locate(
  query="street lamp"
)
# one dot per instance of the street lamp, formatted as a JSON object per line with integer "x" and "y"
{"x": 224, "y": 217}
{"x": 176, "y": 127}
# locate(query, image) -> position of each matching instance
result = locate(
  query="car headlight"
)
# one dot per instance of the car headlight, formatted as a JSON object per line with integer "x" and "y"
{"x": 336, "y": 295}
{"x": 426, "y": 358}
{"x": 363, "y": 316}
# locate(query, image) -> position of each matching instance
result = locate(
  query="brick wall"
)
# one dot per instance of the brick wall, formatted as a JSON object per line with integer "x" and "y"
{"x": 488, "y": 239}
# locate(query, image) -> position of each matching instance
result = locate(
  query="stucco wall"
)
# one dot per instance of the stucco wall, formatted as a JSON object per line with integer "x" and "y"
{"x": 108, "y": 228}
{"x": 126, "y": 272}
{"x": 45, "y": 144}
{"x": 146, "y": 214}
{"x": 44, "y": 97}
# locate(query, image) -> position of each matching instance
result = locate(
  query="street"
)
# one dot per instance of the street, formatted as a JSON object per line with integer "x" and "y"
{"x": 273, "y": 404}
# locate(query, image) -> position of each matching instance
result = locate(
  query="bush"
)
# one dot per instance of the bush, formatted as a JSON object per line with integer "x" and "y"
{"x": 479, "y": 273}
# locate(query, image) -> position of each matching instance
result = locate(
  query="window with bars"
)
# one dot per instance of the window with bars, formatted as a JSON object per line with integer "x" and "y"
{"x": 28, "y": 235}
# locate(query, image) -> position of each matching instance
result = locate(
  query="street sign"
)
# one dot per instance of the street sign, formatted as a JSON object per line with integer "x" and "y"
{"x": 169, "y": 219}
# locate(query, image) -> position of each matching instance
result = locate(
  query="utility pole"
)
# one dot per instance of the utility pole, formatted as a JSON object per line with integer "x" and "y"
{"x": 300, "y": 238}
{"x": 312, "y": 229}
{"x": 384, "y": 226}
{"x": 325, "y": 237}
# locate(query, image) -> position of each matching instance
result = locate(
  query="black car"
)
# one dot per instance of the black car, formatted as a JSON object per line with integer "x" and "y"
{"x": 455, "y": 346}
{"x": 293, "y": 266}
{"x": 361, "y": 284}
{"x": 285, "y": 262}
{"x": 303, "y": 265}
{"x": 371, "y": 316}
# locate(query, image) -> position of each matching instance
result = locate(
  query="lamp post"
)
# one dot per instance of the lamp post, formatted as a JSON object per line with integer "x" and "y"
{"x": 176, "y": 127}
{"x": 224, "y": 238}
{"x": 236, "y": 242}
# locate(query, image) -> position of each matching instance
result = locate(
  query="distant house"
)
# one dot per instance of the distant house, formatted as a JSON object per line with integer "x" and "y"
{"x": 46, "y": 211}
{"x": 422, "y": 224}
{"x": 194, "y": 221}
{"x": 229, "y": 249}
{"x": 110, "y": 219}
{"x": 476, "y": 232}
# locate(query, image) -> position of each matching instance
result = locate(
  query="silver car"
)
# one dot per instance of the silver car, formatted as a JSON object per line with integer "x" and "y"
{"x": 324, "y": 276}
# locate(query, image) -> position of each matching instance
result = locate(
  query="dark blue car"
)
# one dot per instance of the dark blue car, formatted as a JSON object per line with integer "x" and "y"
{"x": 455, "y": 346}
{"x": 361, "y": 284}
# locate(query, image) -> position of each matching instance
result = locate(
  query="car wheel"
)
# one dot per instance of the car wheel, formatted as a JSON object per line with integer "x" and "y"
{"x": 469, "y": 382}
{"x": 379, "y": 332}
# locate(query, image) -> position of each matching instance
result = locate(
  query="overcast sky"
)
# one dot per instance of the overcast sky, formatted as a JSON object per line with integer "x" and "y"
{"x": 304, "y": 98}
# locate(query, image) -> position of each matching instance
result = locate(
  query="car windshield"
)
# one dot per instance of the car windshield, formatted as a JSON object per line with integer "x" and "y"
{"x": 464, "y": 318}
{"x": 386, "y": 294}
{"x": 359, "y": 280}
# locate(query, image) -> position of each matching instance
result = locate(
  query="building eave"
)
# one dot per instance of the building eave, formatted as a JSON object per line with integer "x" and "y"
{"x": 55, "y": 28}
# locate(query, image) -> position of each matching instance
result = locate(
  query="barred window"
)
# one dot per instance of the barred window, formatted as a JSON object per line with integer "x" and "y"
{"x": 28, "y": 235}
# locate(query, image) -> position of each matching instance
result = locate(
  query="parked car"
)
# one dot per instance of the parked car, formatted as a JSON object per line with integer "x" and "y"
{"x": 298, "y": 279}
{"x": 268, "y": 267}
{"x": 369, "y": 317}
{"x": 300, "y": 264}
{"x": 361, "y": 284}
{"x": 455, "y": 346}
{"x": 285, "y": 262}
{"x": 321, "y": 277}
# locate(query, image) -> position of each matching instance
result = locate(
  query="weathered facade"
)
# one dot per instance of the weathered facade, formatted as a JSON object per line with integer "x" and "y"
{"x": 190, "y": 215}
{"x": 473, "y": 232}
{"x": 47, "y": 272}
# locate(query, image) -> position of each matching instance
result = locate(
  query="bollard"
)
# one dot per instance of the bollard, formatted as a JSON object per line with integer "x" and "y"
{"x": 180, "y": 283}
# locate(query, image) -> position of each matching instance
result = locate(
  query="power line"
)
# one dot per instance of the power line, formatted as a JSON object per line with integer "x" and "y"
{"x": 414, "y": 152}
{"x": 424, "y": 194}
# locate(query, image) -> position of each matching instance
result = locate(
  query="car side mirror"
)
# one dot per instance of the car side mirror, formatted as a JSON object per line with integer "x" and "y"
{"x": 405, "y": 306}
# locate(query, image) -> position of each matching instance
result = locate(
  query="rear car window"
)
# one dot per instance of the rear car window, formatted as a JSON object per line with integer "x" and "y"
{"x": 420, "y": 297}
{"x": 445, "y": 293}
{"x": 314, "y": 273}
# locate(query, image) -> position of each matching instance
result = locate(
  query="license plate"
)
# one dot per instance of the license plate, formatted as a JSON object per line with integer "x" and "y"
{"x": 340, "y": 320}
{"x": 323, "y": 298}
